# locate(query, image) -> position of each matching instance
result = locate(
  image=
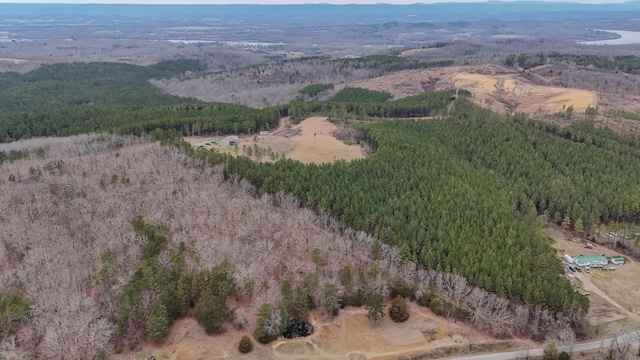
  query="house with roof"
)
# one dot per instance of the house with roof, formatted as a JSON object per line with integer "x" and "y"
{"x": 617, "y": 260}
{"x": 590, "y": 260}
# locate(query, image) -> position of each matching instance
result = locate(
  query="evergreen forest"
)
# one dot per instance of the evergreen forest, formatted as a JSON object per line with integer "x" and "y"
{"x": 465, "y": 192}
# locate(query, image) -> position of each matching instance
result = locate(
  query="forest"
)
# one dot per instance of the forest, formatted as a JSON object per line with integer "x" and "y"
{"x": 75, "y": 98}
{"x": 461, "y": 193}
{"x": 148, "y": 233}
{"x": 627, "y": 63}
{"x": 432, "y": 186}
{"x": 479, "y": 183}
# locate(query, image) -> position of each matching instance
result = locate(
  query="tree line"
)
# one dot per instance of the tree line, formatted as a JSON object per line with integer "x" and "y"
{"x": 68, "y": 99}
{"x": 389, "y": 63}
{"x": 458, "y": 196}
{"x": 472, "y": 183}
{"x": 627, "y": 63}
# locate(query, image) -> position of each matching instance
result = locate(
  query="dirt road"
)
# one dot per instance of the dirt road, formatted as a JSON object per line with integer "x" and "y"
{"x": 591, "y": 287}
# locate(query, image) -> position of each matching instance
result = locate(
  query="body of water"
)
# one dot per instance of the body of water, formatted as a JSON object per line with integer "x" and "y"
{"x": 229, "y": 43}
{"x": 626, "y": 38}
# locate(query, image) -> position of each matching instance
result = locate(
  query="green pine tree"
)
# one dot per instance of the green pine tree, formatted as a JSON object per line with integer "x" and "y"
{"x": 435, "y": 302}
{"x": 212, "y": 311}
{"x": 245, "y": 345}
{"x": 398, "y": 311}
{"x": 302, "y": 303}
{"x": 375, "y": 307}
{"x": 158, "y": 322}
{"x": 330, "y": 300}
{"x": 579, "y": 226}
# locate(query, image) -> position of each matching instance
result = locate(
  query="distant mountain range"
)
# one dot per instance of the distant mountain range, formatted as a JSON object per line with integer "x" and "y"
{"x": 326, "y": 14}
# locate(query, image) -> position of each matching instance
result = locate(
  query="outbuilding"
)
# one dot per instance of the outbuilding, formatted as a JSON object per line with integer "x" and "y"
{"x": 568, "y": 258}
{"x": 617, "y": 260}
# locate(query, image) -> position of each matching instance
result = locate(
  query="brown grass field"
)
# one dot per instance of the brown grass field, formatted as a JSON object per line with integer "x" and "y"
{"x": 499, "y": 88}
{"x": 348, "y": 336}
{"x": 310, "y": 141}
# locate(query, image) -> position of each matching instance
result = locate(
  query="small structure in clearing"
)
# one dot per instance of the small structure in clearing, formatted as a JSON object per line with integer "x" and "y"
{"x": 617, "y": 260}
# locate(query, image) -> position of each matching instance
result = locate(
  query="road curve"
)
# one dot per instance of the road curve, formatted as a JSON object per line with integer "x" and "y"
{"x": 522, "y": 354}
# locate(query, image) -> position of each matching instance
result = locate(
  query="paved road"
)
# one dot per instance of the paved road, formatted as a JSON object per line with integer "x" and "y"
{"x": 522, "y": 354}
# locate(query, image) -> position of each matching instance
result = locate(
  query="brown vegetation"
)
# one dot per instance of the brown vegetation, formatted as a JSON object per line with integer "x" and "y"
{"x": 74, "y": 201}
{"x": 264, "y": 85}
{"x": 311, "y": 141}
{"x": 499, "y": 88}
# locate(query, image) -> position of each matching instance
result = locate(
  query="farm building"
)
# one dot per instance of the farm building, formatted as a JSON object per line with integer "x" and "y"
{"x": 228, "y": 141}
{"x": 617, "y": 260}
{"x": 594, "y": 260}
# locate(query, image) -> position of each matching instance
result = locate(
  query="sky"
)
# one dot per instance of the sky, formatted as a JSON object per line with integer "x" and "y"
{"x": 265, "y": 2}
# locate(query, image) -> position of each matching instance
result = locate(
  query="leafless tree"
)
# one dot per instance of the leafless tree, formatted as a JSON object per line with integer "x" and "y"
{"x": 57, "y": 226}
{"x": 239, "y": 319}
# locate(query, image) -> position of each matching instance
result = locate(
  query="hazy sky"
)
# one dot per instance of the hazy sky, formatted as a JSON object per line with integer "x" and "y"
{"x": 399, "y": 2}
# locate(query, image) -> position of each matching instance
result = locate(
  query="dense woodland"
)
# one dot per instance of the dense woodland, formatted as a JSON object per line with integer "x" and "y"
{"x": 145, "y": 234}
{"x": 67, "y": 99}
{"x": 479, "y": 184}
{"x": 464, "y": 193}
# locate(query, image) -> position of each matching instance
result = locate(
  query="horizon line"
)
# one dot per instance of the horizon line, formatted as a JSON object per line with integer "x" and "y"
{"x": 305, "y": 2}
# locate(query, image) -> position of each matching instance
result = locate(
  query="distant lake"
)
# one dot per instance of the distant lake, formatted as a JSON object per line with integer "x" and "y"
{"x": 230, "y": 43}
{"x": 626, "y": 38}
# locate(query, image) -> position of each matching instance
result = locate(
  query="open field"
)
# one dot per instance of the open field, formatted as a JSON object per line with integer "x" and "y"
{"x": 621, "y": 285}
{"x": 14, "y": 61}
{"x": 499, "y": 88}
{"x": 348, "y": 336}
{"x": 310, "y": 141}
